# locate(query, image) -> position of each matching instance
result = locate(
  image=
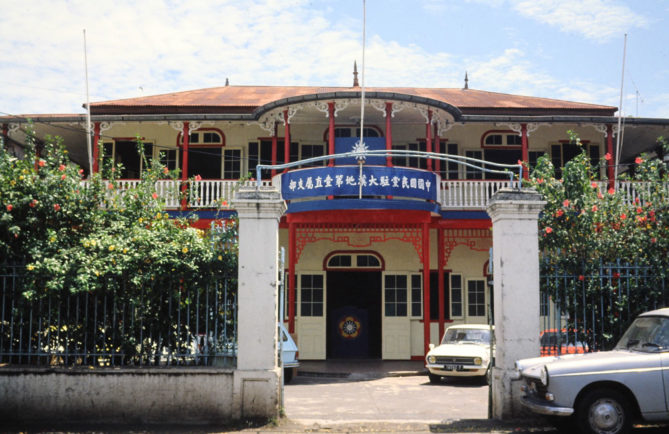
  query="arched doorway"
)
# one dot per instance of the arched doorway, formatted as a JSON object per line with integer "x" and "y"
{"x": 354, "y": 305}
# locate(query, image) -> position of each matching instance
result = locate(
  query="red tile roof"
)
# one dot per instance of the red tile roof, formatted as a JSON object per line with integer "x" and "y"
{"x": 244, "y": 99}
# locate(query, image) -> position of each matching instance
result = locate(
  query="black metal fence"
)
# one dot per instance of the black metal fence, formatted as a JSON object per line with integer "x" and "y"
{"x": 591, "y": 310}
{"x": 179, "y": 326}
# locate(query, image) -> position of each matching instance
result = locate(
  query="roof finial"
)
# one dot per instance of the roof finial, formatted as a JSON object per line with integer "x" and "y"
{"x": 227, "y": 82}
{"x": 355, "y": 74}
{"x": 466, "y": 81}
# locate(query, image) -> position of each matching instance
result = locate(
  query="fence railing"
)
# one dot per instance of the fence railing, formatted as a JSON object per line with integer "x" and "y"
{"x": 181, "y": 326}
{"x": 590, "y": 311}
{"x": 455, "y": 194}
{"x": 469, "y": 194}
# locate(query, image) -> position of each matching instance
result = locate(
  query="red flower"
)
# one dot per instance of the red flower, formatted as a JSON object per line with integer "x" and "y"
{"x": 33, "y": 203}
{"x": 638, "y": 160}
{"x": 61, "y": 167}
{"x": 56, "y": 207}
{"x": 653, "y": 240}
{"x": 41, "y": 163}
{"x": 63, "y": 176}
{"x": 10, "y": 207}
{"x": 110, "y": 186}
{"x": 593, "y": 184}
{"x": 616, "y": 275}
{"x": 559, "y": 213}
{"x": 623, "y": 216}
{"x": 600, "y": 195}
{"x": 581, "y": 277}
{"x": 520, "y": 163}
{"x": 166, "y": 170}
{"x": 549, "y": 230}
{"x": 540, "y": 180}
{"x": 154, "y": 195}
{"x": 198, "y": 178}
{"x": 608, "y": 156}
{"x": 594, "y": 208}
{"x": 81, "y": 171}
{"x": 612, "y": 191}
{"x": 639, "y": 210}
{"x": 566, "y": 202}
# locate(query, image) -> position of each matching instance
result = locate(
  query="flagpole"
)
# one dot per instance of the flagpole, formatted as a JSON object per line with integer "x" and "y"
{"x": 620, "y": 110}
{"x": 88, "y": 114}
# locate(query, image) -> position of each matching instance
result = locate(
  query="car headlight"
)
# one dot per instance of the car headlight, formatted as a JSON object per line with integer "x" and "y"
{"x": 544, "y": 376}
{"x": 478, "y": 360}
{"x": 431, "y": 359}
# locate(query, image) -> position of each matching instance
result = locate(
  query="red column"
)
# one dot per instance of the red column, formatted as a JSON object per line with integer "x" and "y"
{"x": 610, "y": 173}
{"x": 275, "y": 143}
{"x": 426, "y": 286}
{"x": 437, "y": 148}
{"x": 525, "y": 152}
{"x": 96, "y": 147}
{"x": 292, "y": 253}
{"x": 185, "y": 136}
{"x": 389, "y": 133}
{"x": 440, "y": 260}
{"x": 428, "y": 138}
{"x": 331, "y": 132}
{"x": 286, "y": 138}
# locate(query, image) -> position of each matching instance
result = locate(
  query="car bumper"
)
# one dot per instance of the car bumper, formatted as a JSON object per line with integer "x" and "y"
{"x": 465, "y": 371}
{"x": 546, "y": 408}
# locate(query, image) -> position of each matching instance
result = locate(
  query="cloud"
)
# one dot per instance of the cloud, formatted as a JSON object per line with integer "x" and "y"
{"x": 162, "y": 46}
{"x": 598, "y": 20}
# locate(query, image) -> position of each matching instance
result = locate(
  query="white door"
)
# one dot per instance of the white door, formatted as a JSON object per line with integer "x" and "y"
{"x": 311, "y": 307}
{"x": 396, "y": 325}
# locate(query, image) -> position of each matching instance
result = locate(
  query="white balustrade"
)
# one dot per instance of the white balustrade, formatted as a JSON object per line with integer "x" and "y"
{"x": 454, "y": 194}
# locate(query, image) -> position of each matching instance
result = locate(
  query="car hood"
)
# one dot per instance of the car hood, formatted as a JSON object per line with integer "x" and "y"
{"x": 589, "y": 362}
{"x": 463, "y": 350}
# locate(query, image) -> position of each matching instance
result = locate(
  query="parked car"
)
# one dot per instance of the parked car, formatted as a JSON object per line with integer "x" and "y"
{"x": 565, "y": 342}
{"x": 464, "y": 352}
{"x": 604, "y": 392}
{"x": 288, "y": 354}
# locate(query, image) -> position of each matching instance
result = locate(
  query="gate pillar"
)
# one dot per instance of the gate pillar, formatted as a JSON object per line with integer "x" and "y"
{"x": 256, "y": 384}
{"x": 515, "y": 236}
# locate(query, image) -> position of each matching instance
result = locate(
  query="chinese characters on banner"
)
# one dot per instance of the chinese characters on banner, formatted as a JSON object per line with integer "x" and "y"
{"x": 346, "y": 181}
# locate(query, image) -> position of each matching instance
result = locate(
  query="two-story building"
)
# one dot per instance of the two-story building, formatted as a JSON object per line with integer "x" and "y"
{"x": 372, "y": 271}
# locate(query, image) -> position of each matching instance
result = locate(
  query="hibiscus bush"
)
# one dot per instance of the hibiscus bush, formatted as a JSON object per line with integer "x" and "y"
{"x": 76, "y": 236}
{"x": 607, "y": 248}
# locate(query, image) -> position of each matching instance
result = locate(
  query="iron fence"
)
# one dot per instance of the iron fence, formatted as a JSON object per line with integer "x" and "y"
{"x": 590, "y": 310}
{"x": 115, "y": 327}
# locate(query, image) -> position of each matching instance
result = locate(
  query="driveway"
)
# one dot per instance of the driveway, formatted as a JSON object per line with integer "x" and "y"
{"x": 357, "y": 393}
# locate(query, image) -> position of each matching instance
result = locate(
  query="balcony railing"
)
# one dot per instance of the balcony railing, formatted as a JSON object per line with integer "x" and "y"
{"x": 455, "y": 194}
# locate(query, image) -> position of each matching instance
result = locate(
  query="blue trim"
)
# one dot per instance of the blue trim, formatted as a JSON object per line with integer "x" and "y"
{"x": 344, "y": 204}
{"x": 202, "y": 214}
{"x": 464, "y": 215}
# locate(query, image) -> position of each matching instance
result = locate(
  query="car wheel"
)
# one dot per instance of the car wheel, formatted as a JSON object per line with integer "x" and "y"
{"x": 288, "y": 375}
{"x": 604, "y": 411}
{"x": 434, "y": 379}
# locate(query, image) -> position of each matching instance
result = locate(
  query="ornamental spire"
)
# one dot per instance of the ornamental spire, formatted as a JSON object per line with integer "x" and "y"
{"x": 355, "y": 74}
{"x": 466, "y": 81}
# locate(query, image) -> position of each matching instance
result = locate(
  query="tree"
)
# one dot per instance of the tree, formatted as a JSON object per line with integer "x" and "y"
{"x": 586, "y": 229}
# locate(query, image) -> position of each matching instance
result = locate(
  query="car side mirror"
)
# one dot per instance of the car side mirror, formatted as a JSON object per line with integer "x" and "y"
{"x": 431, "y": 347}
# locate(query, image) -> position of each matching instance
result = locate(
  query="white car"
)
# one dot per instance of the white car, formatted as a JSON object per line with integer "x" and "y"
{"x": 288, "y": 354}
{"x": 606, "y": 391}
{"x": 464, "y": 352}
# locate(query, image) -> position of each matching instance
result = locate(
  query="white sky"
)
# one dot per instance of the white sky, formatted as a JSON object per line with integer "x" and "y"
{"x": 564, "y": 49}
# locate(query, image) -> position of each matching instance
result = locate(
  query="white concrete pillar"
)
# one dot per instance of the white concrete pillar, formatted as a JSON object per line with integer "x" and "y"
{"x": 515, "y": 236}
{"x": 256, "y": 387}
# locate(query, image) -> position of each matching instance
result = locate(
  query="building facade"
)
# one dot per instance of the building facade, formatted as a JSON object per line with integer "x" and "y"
{"x": 375, "y": 270}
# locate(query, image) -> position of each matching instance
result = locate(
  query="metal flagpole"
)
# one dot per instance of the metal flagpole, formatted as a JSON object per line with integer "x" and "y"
{"x": 620, "y": 110}
{"x": 88, "y": 114}
{"x": 362, "y": 101}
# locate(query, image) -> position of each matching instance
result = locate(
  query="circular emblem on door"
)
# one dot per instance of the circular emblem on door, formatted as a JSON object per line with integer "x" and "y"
{"x": 349, "y": 327}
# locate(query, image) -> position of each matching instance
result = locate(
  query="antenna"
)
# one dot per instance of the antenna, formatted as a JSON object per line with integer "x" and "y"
{"x": 88, "y": 114}
{"x": 620, "y": 109}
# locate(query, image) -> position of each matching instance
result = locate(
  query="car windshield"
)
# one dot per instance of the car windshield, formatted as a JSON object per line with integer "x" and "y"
{"x": 461, "y": 335}
{"x": 649, "y": 334}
